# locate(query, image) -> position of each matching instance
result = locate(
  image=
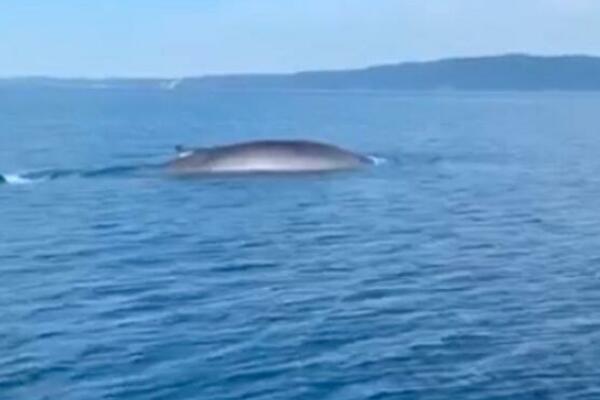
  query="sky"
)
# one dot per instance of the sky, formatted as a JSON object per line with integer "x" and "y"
{"x": 177, "y": 38}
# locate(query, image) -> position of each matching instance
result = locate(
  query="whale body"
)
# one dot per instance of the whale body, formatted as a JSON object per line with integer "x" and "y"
{"x": 266, "y": 156}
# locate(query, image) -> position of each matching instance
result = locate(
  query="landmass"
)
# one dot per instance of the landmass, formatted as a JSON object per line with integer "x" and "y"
{"x": 513, "y": 72}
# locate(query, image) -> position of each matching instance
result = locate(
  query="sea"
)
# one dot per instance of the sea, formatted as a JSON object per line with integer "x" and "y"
{"x": 464, "y": 265}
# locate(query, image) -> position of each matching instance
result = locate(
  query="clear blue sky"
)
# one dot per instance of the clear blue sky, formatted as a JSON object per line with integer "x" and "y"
{"x": 172, "y": 38}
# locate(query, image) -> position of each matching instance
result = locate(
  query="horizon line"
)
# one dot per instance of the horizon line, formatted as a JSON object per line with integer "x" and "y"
{"x": 291, "y": 73}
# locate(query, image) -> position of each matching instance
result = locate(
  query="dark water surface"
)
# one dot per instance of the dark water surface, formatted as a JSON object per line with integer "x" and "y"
{"x": 466, "y": 267}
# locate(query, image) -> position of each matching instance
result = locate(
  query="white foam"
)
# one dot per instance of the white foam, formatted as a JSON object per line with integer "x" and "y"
{"x": 377, "y": 160}
{"x": 16, "y": 179}
{"x": 183, "y": 154}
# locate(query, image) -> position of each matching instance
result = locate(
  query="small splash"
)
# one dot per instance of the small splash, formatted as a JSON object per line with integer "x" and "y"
{"x": 170, "y": 85}
{"x": 378, "y": 160}
{"x": 184, "y": 154}
{"x": 30, "y": 177}
{"x": 15, "y": 179}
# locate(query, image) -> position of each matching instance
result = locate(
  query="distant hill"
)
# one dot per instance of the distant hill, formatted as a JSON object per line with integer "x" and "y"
{"x": 494, "y": 73}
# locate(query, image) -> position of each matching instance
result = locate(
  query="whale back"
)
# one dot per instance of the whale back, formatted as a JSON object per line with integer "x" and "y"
{"x": 268, "y": 156}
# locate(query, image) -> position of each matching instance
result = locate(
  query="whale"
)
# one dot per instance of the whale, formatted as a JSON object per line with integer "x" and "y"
{"x": 265, "y": 156}
{"x": 261, "y": 156}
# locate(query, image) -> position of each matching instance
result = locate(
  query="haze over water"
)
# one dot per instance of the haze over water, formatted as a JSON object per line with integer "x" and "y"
{"x": 466, "y": 266}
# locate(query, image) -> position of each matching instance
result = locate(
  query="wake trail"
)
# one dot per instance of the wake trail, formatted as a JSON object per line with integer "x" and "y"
{"x": 44, "y": 175}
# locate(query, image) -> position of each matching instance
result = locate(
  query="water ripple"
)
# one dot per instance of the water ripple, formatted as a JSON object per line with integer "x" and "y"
{"x": 465, "y": 267}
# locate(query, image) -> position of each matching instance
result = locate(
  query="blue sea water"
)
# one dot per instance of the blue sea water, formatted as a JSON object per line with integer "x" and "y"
{"x": 464, "y": 267}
